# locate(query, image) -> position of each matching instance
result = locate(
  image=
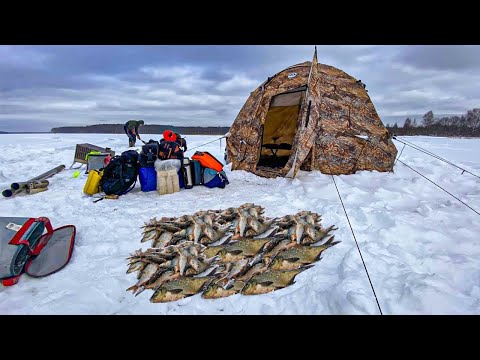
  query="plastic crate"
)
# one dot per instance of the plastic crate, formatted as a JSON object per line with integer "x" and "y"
{"x": 96, "y": 161}
{"x": 82, "y": 150}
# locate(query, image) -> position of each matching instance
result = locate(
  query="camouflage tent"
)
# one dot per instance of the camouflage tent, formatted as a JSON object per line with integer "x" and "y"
{"x": 309, "y": 116}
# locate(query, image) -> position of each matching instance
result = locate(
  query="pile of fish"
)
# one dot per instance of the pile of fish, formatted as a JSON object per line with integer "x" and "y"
{"x": 225, "y": 252}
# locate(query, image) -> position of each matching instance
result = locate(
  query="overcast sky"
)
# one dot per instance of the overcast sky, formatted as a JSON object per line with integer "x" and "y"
{"x": 46, "y": 86}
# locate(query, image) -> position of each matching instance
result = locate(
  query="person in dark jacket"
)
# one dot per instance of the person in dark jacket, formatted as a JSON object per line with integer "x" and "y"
{"x": 131, "y": 129}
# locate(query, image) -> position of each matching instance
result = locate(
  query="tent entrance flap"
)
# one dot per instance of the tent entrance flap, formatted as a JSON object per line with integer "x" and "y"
{"x": 279, "y": 129}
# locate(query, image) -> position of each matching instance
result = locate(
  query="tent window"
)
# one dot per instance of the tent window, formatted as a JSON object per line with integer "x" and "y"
{"x": 291, "y": 99}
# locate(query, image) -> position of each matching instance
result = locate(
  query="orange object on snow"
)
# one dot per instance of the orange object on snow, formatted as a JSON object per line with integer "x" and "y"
{"x": 207, "y": 160}
{"x": 169, "y": 135}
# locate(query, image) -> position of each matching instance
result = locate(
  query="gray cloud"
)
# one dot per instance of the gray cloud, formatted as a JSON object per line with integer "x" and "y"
{"x": 45, "y": 86}
{"x": 455, "y": 58}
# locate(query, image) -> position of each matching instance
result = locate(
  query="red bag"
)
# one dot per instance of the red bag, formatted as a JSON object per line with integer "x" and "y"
{"x": 207, "y": 160}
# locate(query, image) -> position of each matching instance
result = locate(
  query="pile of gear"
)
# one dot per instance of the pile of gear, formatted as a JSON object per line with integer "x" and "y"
{"x": 161, "y": 166}
{"x": 225, "y": 252}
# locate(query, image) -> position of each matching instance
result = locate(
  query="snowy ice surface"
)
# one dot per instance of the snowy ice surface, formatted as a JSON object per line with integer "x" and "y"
{"x": 421, "y": 246}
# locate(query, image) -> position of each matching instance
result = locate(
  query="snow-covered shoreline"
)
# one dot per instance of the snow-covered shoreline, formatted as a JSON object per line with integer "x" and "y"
{"x": 420, "y": 245}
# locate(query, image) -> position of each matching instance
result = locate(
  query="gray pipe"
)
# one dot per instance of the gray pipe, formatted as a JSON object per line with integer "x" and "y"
{"x": 16, "y": 188}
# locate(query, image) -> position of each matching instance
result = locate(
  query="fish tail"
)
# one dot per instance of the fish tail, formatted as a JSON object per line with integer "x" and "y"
{"x": 140, "y": 290}
{"x": 132, "y": 288}
{"x": 329, "y": 241}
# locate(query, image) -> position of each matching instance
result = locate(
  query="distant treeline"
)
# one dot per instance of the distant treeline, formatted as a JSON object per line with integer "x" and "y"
{"x": 145, "y": 129}
{"x": 465, "y": 125}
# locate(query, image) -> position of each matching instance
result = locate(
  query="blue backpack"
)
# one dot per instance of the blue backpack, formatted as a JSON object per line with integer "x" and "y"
{"x": 213, "y": 178}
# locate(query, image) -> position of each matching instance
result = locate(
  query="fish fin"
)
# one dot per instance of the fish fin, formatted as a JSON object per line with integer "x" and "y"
{"x": 305, "y": 267}
{"x": 132, "y": 288}
{"x": 236, "y": 252}
{"x": 175, "y": 291}
{"x": 292, "y": 260}
{"x": 266, "y": 283}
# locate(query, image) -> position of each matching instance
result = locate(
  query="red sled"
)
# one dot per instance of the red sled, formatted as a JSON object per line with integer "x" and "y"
{"x": 31, "y": 246}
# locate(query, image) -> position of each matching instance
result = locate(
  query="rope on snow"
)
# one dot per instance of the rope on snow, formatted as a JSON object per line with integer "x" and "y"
{"x": 433, "y": 182}
{"x": 416, "y": 147}
{"x": 220, "y": 138}
{"x": 355, "y": 238}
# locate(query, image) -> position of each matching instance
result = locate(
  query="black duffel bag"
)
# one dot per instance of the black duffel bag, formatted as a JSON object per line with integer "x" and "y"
{"x": 149, "y": 154}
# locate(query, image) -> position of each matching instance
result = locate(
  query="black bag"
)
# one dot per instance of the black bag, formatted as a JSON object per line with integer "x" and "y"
{"x": 198, "y": 173}
{"x": 120, "y": 175}
{"x": 169, "y": 150}
{"x": 149, "y": 154}
{"x": 182, "y": 142}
